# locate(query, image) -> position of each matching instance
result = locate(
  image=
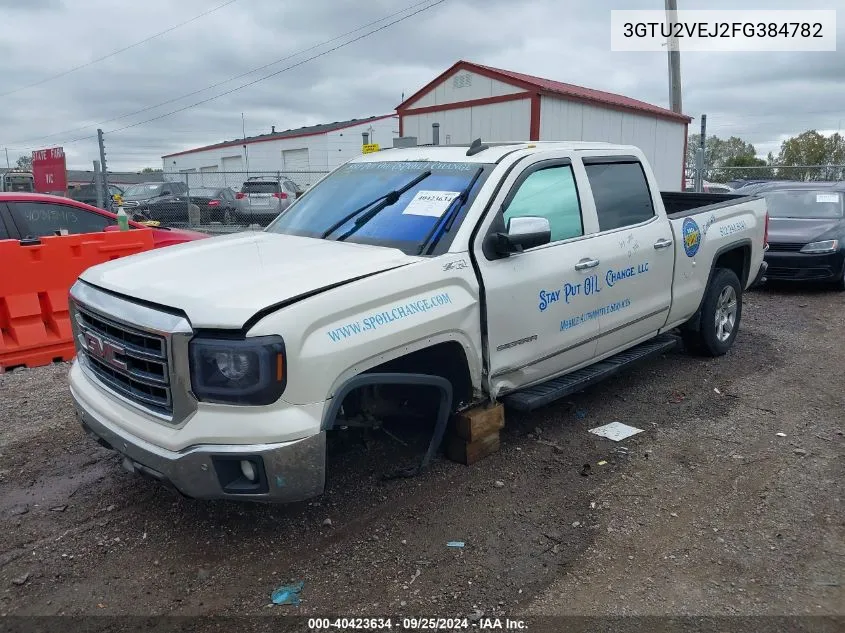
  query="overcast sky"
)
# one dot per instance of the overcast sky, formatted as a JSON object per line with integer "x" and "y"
{"x": 762, "y": 97}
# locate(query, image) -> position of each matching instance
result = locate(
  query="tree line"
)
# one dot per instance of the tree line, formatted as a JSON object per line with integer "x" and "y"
{"x": 808, "y": 156}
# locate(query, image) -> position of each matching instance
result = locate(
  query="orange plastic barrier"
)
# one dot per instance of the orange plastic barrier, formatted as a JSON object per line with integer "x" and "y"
{"x": 34, "y": 283}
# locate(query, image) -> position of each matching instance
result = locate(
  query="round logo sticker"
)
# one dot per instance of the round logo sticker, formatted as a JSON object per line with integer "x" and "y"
{"x": 692, "y": 237}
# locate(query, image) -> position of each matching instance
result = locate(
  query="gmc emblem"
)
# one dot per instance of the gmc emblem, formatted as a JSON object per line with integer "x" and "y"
{"x": 104, "y": 350}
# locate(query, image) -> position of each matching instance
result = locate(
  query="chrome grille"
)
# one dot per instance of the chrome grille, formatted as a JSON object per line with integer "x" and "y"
{"x": 129, "y": 361}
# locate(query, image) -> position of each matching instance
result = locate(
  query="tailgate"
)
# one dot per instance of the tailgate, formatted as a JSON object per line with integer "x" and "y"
{"x": 730, "y": 229}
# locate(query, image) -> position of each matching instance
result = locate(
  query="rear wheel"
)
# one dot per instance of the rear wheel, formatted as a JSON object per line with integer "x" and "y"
{"x": 718, "y": 322}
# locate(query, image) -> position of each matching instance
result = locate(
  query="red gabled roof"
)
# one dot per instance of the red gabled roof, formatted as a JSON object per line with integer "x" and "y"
{"x": 549, "y": 87}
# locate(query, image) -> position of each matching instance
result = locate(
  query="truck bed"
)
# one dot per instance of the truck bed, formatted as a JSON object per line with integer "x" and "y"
{"x": 681, "y": 203}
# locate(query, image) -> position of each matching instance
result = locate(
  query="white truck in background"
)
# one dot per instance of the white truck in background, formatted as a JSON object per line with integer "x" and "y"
{"x": 516, "y": 273}
{"x": 16, "y": 181}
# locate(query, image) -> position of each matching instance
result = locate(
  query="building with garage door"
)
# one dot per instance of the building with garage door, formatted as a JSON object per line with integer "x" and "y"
{"x": 471, "y": 101}
{"x": 303, "y": 154}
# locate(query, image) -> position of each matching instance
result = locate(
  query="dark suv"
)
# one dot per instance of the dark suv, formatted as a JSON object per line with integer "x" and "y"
{"x": 88, "y": 195}
{"x": 138, "y": 198}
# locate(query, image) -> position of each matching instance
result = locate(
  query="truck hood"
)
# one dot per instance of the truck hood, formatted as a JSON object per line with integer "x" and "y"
{"x": 222, "y": 282}
{"x": 795, "y": 230}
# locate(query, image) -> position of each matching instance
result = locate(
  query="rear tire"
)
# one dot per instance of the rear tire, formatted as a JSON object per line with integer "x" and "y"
{"x": 718, "y": 321}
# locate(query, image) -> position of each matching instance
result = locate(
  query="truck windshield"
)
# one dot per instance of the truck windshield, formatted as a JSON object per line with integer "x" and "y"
{"x": 804, "y": 203}
{"x": 405, "y": 223}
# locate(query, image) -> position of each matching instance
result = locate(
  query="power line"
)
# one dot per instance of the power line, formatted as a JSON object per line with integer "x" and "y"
{"x": 117, "y": 52}
{"x": 278, "y": 72}
{"x": 230, "y": 79}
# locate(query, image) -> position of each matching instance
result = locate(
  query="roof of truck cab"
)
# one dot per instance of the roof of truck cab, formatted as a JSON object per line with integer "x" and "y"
{"x": 495, "y": 151}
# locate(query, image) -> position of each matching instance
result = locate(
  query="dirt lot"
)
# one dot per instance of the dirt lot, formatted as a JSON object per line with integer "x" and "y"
{"x": 710, "y": 511}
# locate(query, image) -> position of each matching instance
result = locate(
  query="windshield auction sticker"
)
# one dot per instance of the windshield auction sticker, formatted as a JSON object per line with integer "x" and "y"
{"x": 430, "y": 203}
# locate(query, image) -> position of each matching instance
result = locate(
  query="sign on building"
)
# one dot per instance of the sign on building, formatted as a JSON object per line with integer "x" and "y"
{"x": 49, "y": 170}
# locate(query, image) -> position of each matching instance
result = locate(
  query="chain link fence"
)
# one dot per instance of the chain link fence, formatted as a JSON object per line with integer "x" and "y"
{"x": 737, "y": 176}
{"x": 216, "y": 201}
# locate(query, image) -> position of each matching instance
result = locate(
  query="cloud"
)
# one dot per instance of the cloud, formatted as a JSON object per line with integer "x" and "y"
{"x": 29, "y": 5}
{"x": 760, "y": 97}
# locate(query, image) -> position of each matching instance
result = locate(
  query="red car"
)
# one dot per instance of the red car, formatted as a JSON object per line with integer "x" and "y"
{"x": 39, "y": 215}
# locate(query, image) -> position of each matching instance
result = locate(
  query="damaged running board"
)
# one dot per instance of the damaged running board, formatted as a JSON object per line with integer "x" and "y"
{"x": 532, "y": 398}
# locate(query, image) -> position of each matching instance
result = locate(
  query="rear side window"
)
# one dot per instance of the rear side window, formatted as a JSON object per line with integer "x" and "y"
{"x": 4, "y": 234}
{"x": 621, "y": 194}
{"x": 260, "y": 187}
{"x": 39, "y": 219}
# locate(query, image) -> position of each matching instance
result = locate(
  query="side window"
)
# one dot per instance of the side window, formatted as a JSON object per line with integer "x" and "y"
{"x": 4, "y": 234}
{"x": 549, "y": 193}
{"x": 621, "y": 193}
{"x": 38, "y": 219}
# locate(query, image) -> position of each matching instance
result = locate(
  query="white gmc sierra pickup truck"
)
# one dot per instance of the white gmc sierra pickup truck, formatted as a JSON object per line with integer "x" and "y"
{"x": 516, "y": 273}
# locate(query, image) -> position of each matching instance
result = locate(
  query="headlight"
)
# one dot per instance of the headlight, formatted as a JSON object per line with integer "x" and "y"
{"x": 826, "y": 246}
{"x": 247, "y": 371}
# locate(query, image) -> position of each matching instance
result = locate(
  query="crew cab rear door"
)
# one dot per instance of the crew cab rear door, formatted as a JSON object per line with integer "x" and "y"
{"x": 529, "y": 296}
{"x": 637, "y": 258}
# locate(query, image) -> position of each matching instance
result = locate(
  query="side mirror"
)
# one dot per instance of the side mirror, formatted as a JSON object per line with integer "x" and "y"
{"x": 521, "y": 233}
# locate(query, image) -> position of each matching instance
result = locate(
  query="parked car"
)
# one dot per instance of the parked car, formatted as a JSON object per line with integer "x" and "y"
{"x": 24, "y": 215}
{"x": 88, "y": 194}
{"x": 261, "y": 198}
{"x": 212, "y": 205}
{"x": 443, "y": 278}
{"x": 138, "y": 198}
{"x": 806, "y": 231}
{"x": 708, "y": 187}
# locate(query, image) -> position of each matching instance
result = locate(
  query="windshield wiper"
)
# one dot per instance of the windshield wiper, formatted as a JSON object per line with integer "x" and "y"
{"x": 448, "y": 218}
{"x": 384, "y": 201}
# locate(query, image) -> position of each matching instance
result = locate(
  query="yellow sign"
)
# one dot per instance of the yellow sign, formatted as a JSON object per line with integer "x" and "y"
{"x": 368, "y": 149}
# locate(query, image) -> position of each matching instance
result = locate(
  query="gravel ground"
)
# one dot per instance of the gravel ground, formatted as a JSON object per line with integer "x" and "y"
{"x": 709, "y": 511}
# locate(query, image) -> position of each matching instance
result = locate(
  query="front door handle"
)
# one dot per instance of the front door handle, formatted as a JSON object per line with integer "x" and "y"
{"x": 586, "y": 263}
{"x": 662, "y": 243}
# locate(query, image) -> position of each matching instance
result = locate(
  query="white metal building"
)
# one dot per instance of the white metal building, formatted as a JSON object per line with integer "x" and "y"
{"x": 471, "y": 101}
{"x": 315, "y": 149}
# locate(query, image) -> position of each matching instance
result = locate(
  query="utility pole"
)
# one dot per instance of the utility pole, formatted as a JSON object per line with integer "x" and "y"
{"x": 7, "y": 158}
{"x": 246, "y": 149}
{"x": 698, "y": 181}
{"x": 98, "y": 185}
{"x": 104, "y": 172}
{"x": 674, "y": 59}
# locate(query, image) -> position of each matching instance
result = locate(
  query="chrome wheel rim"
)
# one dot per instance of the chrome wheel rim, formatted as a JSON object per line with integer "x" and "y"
{"x": 726, "y": 310}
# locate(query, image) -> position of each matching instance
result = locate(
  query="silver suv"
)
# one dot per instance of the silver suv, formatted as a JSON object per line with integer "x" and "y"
{"x": 261, "y": 199}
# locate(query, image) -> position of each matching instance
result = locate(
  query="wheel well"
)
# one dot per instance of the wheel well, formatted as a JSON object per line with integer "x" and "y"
{"x": 738, "y": 260}
{"x": 382, "y": 392}
{"x": 446, "y": 360}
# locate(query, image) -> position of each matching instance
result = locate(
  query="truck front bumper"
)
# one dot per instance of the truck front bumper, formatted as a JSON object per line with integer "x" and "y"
{"x": 283, "y": 472}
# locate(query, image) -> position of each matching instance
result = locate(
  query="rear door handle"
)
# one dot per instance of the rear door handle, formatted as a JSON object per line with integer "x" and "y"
{"x": 586, "y": 263}
{"x": 662, "y": 243}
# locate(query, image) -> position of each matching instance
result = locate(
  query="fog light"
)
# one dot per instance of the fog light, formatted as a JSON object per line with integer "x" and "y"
{"x": 248, "y": 470}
